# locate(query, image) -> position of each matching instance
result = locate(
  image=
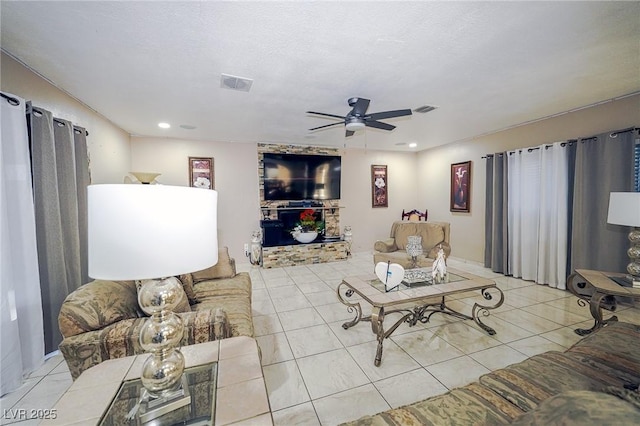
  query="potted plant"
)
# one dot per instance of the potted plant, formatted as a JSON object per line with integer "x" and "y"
{"x": 308, "y": 228}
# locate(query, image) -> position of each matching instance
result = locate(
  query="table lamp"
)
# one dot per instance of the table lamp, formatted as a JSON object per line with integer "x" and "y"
{"x": 624, "y": 209}
{"x": 152, "y": 233}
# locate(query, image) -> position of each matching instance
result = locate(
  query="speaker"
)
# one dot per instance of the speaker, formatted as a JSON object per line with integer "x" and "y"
{"x": 271, "y": 232}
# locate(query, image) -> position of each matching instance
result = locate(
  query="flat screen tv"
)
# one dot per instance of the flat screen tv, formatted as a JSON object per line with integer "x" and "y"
{"x": 301, "y": 177}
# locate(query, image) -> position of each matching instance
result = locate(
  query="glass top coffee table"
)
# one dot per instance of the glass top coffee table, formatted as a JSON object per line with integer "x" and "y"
{"x": 415, "y": 299}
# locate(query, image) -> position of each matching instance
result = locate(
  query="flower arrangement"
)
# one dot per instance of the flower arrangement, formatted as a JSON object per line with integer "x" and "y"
{"x": 308, "y": 223}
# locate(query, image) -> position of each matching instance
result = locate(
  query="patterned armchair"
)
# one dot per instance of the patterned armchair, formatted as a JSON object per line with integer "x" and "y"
{"x": 102, "y": 320}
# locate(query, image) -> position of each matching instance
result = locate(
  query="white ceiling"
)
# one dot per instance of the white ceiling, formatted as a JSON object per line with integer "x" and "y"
{"x": 486, "y": 65}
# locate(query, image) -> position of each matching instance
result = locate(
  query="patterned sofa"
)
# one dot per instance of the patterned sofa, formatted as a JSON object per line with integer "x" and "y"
{"x": 595, "y": 382}
{"x": 393, "y": 249}
{"x": 102, "y": 320}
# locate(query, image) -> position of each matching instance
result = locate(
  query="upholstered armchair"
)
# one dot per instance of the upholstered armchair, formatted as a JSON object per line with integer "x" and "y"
{"x": 102, "y": 320}
{"x": 434, "y": 235}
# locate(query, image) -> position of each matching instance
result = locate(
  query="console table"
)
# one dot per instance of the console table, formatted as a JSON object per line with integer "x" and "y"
{"x": 241, "y": 394}
{"x": 598, "y": 289}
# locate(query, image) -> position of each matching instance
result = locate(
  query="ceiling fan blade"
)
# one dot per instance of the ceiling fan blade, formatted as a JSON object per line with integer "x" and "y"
{"x": 349, "y": 133}
{"x": 326, "y": 115}
{"x": 360, "y": 108}
{"x": 388, "y": 114}
{"x": 326, "y": 125}
{"x": 379, "y": 125}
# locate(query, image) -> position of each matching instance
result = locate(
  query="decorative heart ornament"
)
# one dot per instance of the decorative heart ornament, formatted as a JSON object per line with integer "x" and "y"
{"x": 391, "y": 274}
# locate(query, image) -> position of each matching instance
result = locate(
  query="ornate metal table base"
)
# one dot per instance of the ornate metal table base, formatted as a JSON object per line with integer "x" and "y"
{"x": 421, "y": 313}
{"x": 596, "y": 302}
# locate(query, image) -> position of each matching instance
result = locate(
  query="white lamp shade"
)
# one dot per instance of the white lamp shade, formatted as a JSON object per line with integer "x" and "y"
{"x": 624, "y": 208}
{"x": 150, "y": 231}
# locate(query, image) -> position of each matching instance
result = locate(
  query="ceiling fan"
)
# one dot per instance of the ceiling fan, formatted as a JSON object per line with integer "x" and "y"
{"x": 357, "y": 118}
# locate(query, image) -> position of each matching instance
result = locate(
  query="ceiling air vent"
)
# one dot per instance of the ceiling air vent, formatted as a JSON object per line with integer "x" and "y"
{"x": 424, "y": 109}
{"x": 235, "y": 83}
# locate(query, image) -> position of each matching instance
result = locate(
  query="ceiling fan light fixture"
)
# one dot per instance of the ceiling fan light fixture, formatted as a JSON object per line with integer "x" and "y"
{"x": 354, "y": 126}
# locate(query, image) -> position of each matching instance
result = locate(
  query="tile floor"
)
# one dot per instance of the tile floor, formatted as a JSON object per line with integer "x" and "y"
{"x": 317, "y": 373}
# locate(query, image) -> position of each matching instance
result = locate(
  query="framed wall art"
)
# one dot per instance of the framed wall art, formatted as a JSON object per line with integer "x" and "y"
{"x": 379, "y": 187}
{"x": 461, "y": 187}
{"x": 201, "y": 172}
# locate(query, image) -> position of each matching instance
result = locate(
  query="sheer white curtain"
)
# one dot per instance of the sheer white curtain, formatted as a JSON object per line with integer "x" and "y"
{"x": 537, "y": 214}
{"x": 554, "y": 217}
{"x": 22, "y": 338}
{"x": 523, "y": 187}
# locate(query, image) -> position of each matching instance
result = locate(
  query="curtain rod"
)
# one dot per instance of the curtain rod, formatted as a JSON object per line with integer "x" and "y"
{"x": 570, "y": 142}
{"x": 13, "y": 101}
{"x": 629, "y": 129}
{"x": 60, "y": 121}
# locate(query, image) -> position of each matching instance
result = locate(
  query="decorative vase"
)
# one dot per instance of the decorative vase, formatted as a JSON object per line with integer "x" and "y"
{"x": 414, "y": 248}
{"x": 305, "y": 237}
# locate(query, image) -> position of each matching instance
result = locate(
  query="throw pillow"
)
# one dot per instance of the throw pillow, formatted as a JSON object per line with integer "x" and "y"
{"x": 187, "y": 285}
{"x": 223, "y": 269}
{"x": 96, "y": 305}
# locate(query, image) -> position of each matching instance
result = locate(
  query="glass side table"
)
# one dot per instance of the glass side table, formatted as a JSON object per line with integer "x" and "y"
{"x": 201, "y": 381}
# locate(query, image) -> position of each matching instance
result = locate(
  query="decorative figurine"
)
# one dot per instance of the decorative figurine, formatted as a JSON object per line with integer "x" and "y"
{"x": 391, "y": 274}
{"x": 348, "y": 238}
{"x": 439, "y": 269}
{"x": 256, "y": 247}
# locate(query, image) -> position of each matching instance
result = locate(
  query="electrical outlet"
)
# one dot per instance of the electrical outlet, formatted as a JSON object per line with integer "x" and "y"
{"x": 246, "y": 249}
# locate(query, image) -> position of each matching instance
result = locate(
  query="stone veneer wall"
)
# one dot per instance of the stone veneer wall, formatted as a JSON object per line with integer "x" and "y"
{"x": 303, "y": 254}
{"x": 300, "y": 254}
{"x": 331, "y": 217}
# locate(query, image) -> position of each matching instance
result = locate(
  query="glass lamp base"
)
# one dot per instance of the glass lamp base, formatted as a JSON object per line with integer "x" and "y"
{"x": 156, "y": 407}
{"x": 161, "y": 335}
{"x": 161, "y": 372}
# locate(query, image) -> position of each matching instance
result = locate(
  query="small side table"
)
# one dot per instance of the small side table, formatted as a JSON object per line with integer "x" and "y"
{"x": 241, "y": 393}
{"x": 597, "y": 288}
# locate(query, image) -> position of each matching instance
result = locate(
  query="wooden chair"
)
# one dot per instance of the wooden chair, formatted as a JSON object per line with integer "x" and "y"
{"x": 414, "y": 215}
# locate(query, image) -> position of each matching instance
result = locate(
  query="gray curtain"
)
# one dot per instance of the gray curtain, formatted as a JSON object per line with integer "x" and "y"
{"x": 495, "y": 250}
{"x": 60, "y": 170}
{"x": 602, "y": 164}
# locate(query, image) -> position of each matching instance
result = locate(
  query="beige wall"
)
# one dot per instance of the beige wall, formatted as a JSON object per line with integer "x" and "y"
{"x": 236, "y": 177}
{"x": 108, "y": 145}
{"x": 371, "y": 224}
{"x": 467, "y": 229}
{"x": 236, "y": 180}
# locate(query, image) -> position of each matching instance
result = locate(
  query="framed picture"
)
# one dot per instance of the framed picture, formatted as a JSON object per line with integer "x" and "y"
{"x": 201, "y": 172}
{"x": 379, "y": 187}
{"x": 461, "y": 187}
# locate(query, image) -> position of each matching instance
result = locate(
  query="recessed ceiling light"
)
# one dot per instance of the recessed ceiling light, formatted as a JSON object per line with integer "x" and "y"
{"x": 413, "y": 145}
{"x": 164, "y": 125}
